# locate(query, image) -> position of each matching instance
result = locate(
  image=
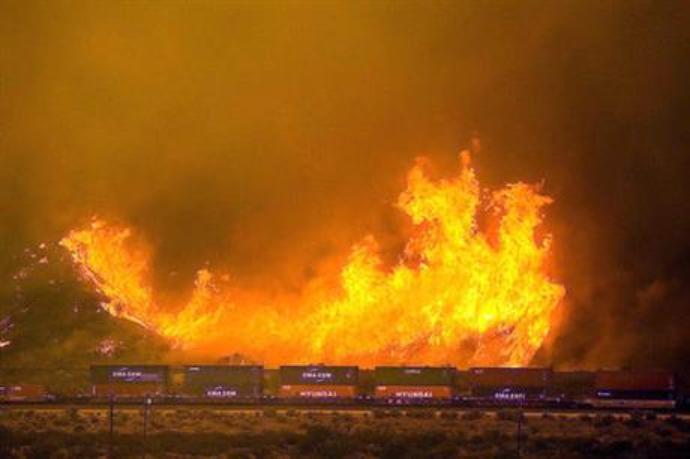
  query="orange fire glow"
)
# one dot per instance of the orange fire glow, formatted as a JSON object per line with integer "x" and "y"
{"x": 456, "y": 296}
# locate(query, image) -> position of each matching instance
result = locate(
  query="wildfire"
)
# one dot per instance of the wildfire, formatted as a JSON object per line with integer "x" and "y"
{"x": 458, "y": 294}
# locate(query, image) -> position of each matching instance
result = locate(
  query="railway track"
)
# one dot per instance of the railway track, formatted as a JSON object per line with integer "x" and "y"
{"x": 356, "y": 410}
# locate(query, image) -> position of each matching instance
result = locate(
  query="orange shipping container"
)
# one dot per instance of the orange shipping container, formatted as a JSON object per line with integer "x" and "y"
{"x": 19, "y": 392}
{"x": 127, "y": 390}
{"x": 429, "y": 392}
{"x": 316, "y": 391}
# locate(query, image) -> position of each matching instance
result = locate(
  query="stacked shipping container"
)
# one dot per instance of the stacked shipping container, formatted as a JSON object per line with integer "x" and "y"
{"x": 414, "y": 383}
{"x": 318, "y": 381}
{"x": 222, "y": 381}
{"x": 642, "y": 389}
{"x": 509, "y": 385}
{"x": 129, "y": 381}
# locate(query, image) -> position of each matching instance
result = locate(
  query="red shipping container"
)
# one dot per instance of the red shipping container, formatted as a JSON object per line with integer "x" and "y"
{"x": 635, "y": 380}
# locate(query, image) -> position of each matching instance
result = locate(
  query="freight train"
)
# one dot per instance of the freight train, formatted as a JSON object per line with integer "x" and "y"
{"x": 384, "y": 385}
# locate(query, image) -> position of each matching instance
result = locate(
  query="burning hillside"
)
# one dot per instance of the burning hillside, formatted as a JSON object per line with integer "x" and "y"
{"x": 53, "y": 319}
{"x": 460, "y": 293}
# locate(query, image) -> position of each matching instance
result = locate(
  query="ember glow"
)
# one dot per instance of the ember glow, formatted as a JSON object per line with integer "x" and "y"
{"x": 459, "y": 294}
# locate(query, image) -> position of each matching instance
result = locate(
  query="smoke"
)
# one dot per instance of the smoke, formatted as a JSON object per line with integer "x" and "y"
{"x": 263, "y": 140}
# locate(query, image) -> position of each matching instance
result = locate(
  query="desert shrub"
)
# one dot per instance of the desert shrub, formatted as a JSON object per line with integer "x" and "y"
{"x": 615, "y": 448}
{"x": 156, "y": 423}
{"x": 317, "y": 433}
{"x": 343, "y": 417}
{"x": 458, "y": 436}
{"x": 90, "y": 449}
{"x": 285, "y": 437}
{"x": 395, "y": 448}
{"x": 72, "y": 413}
{"x": 477, "y": 441}
{"x": 321, "y": 441}
{"x": 493, "y": 436}
{"x": 62, "y": 453}
{"x": 309, "y": 417}
{"x": 663, "y": 431}
{"x": 650, "y": 416}
{"x": 336, "y": 446}
{"x": 205, "y": 413}
{"x": 584, "y": 446}
{"x": 669, "y": 449}
{"x": 472, "y": 415}
{"x": 379, "y": 414}
{"x": 539, "y": 444}
{"x": 680, "y": 424}
{"x": 486, "y": 439}
{"x": 504, "y": 453}
{"x": 635, "y": 422}
{"x": 427, "y": 439}
{"x": 443, "y": 450}
{"x": 43, "y": 445}
{"x": 61, "y": 422}
{"x": 421, "y": 414}
{"x": 333, "y": 437}
{"x": 304, "y": 425}
{"x": 5, "y": 441}
{"x": 204, "y": 443}
{"x": 509, "y": 415}
{"x": 604, "y": 421}
{"x": 449, "y": 415}
{"x": 585, "y": 418}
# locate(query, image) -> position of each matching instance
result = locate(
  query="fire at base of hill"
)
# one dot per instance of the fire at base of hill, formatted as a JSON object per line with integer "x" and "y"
{"x": 460, "y": 294}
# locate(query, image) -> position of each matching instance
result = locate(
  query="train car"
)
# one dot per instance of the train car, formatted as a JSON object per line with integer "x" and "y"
{"x": 131, "y": 381}
{"x": 24, "y": 393}
{"x": 572, "y": 388}
{"x": 414, "y": 384}
{"x": 223, "y": 382}
{"x": 318, "y": 382}
{"x": 508, "y": 386}
{"x": 640, "y": 389}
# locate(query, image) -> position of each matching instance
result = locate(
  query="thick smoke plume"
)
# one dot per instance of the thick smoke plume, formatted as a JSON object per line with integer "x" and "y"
{"x": 264, "y": 140}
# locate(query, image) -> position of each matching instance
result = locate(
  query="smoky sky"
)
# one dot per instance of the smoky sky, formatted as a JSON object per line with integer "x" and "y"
{"x": 263, "y": 137}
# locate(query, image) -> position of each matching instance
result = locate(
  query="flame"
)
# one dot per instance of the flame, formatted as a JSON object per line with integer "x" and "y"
{"x": 458, "y": 294}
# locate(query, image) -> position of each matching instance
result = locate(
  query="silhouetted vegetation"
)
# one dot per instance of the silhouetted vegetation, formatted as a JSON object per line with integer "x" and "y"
{"x": 424, "y": 433}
